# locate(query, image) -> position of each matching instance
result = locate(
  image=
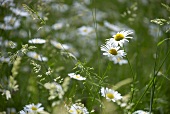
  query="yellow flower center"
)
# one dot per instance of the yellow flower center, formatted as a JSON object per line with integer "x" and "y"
{"x": 110, "y": 95}
{"x": 36, "y": 56}
{"x": 85, "y": 30}
{"x": 77, "y": 76}
{"x": 79, "y": 111}
{"x": 119, "y": 37}
{"x": 71, "y": 111}
{"x": 34, "y": 108}
{"x": 113, "y": 51}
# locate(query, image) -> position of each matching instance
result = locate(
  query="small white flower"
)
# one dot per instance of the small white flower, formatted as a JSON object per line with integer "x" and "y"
{"x": 8, "y": 94}
{"x": 111, "y": 26}
{"x": 119, "y": 61}
{"x": 37, "y": 41}
{"x": 10, "y": 23}
{"x": 78, "y": 109}
{"x": 112, "y": 51}
{"x": 59, "y": 45}
{"x": 36, "y": 56}
{"x": 57, "y": 26}
{"x": 120, "y": 38}
{"x": 140, "y": 112}
{"x": 3, "y": 59}
{"x": 19, "y": 12}
{"x": 55, "y": 90}
{"x": 110, "y": 94}
{"x": 85, "y": 30}
{"x": 32, "y": 109}
{"x": 76, "y": 76}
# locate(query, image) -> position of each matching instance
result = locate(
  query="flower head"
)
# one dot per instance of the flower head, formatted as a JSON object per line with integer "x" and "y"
{"x": 36, "y": 56}
{"x": 112, "y": 51}
{"x": 120, "y": 38}
{"x": 37, "y": 41}
{"x": 32, "y": 109}
{"x": 85, "y": 30}
{"x": 55, "y": 90}
{"x": 140, "y": 112}
{"x": 110, "y": 94}
{"x": 119, "y": 61}
{"x": 78, "y": 109}
{"x": 59, "y": 45}
{"x": 76, "y": 76}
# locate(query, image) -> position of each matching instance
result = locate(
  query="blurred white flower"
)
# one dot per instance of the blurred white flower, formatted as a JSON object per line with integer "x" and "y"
{"x": 19, "y": 12}
{"x": 120, "y": 38}
{"x": 59, "y": 45}
{"x": 76, "y": 76}
{"x": 140, "y": 112}
{"x": 3, "y": 59}
{"x": 119, "y": 61}
{"x": 85, "y": 30}
{"x": 37, "y": 41}
{"x": 60, "y": 7}
{"x": 10, "y": 44}
{"x": 110, "y": 94}
{"x": 36, "y": 56}
{"x": 78, "y": 109}
{"x": 7, "y": 3}
{"x": 8, "y": 94}
{"x": 111, "y": 26}
{"x": 11, "y": 111}
{"x": 112, "y": 51}
{"x": 55, "y": 90}
{"x": 10, "y": 23}
{"x": 33, "y": 109}
{"x": 57, "y": 26}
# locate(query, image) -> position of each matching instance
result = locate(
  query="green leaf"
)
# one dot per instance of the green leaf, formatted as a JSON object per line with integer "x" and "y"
{"x": 162, "y": 41}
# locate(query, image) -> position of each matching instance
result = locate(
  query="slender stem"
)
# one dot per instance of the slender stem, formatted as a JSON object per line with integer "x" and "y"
{"x": 151, "y": 82}
{"x": 153, "y": 85}
{"x": 134, "y": 76}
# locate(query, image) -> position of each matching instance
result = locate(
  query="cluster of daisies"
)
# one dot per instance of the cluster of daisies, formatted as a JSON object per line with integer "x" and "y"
{"x": 113, "y": 46}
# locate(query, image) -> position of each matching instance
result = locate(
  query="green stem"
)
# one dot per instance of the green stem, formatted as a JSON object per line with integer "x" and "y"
{"x": 134, "y": 76}
{"x": 150, "y": 83}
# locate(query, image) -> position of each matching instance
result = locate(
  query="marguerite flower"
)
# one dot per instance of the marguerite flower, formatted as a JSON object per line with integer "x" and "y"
{"x": 78, "y": 109}
{"x": 119, "y": 61}
{"x": 36, "y": 56}
{"x": 110, "y": 94}
{"x": 112, "y": 51}
{"x": 37, "y": 41}
{"x": 76, "y": 76}
{"x": 59, "y": 45}
{"x": 140, "y": 112}
{"x": 85, "y": 30}
{"x": 57, "y": 26}
{"x": 120, "y": 38}
{"x": 32, "y": 109}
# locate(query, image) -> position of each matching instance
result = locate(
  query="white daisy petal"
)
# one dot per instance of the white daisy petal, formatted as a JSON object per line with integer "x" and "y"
{"x": 76, "y": 76}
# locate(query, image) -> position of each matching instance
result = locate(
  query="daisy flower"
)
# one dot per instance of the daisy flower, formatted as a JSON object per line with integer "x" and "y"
{"x": 57, "y": 26}
{"x": 140, "y": 112}
{"x": 78, "y": 109}
{"x": 120, "y": 38}
{"x": 110, "y": 94}
{"x": 36, "y": 56}
{"x": 32, "y": 109}
{"x": 59, "y": 45}
{"x": 37, "y": 41}
{"x": 76, "y": 76}
{"x": 85, "y": 30}
{"x": 119, "y": 61}
{"x": 112, "y": 51}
